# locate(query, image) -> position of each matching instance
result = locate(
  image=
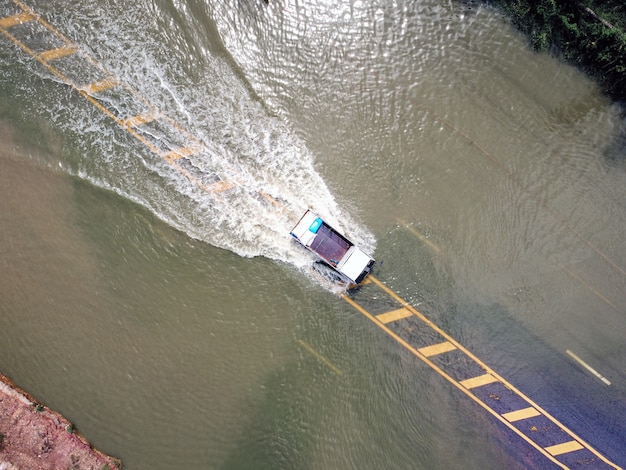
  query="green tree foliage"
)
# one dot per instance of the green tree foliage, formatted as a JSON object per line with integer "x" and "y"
{"x": 588, "y": 33}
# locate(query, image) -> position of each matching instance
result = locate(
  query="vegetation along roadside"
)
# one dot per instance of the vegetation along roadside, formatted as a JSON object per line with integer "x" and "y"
{"x": 590, "y": 34}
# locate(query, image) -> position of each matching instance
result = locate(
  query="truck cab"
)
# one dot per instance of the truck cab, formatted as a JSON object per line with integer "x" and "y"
{"x": 332, "y": 248}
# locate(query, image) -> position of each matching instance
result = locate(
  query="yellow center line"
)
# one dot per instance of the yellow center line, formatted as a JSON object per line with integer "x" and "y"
{"x": 129, "y": 124}
{"x": 564, "y": 448}
{"x": 394, "y": 315}
{"x": 519, "y": 415}
{"x": 135, "y": 121}
{"x": 489, "y": 376}
{"x": 478, "y": 381}
{"x": 421, "y": 237}
{"x": 99, "y": 86}
{"x": 181, "y": 152}
{"x": 319, "y": 356}
{"x": 456, "y": 384}
{"x": 15, "y": 20}
{"x": 435, "y": 349}
{"x": 57, "y": 53}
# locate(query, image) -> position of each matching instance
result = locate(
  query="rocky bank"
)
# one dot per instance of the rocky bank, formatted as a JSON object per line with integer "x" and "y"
{"x": 34, "y": 437}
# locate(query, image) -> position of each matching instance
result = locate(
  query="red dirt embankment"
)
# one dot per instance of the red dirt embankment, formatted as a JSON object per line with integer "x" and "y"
{"x": 34, "y": 437}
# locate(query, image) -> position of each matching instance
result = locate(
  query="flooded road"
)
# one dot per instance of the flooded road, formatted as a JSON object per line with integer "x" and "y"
{"x": 177, "y": 331}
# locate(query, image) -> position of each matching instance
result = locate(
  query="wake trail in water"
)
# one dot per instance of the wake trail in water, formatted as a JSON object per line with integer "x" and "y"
{"x": 198, "y": 98}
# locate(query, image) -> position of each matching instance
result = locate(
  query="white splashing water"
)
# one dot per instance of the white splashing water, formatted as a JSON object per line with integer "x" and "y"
{"x": 204, "y": 95}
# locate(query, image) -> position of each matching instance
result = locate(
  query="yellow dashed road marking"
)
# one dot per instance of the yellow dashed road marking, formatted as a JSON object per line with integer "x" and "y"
{"x": 58, "y": 53}
{"x": 518, "y": 415}
{"x": 564, "y": 448}
{"x": 393, "y": 315}
{"x": 141, "y": 119}
{"x": 435, "y": 349}
{"x": 15, "y": 20}
{"x": 99, "y": 86}
{"x": 478, "y": 381}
